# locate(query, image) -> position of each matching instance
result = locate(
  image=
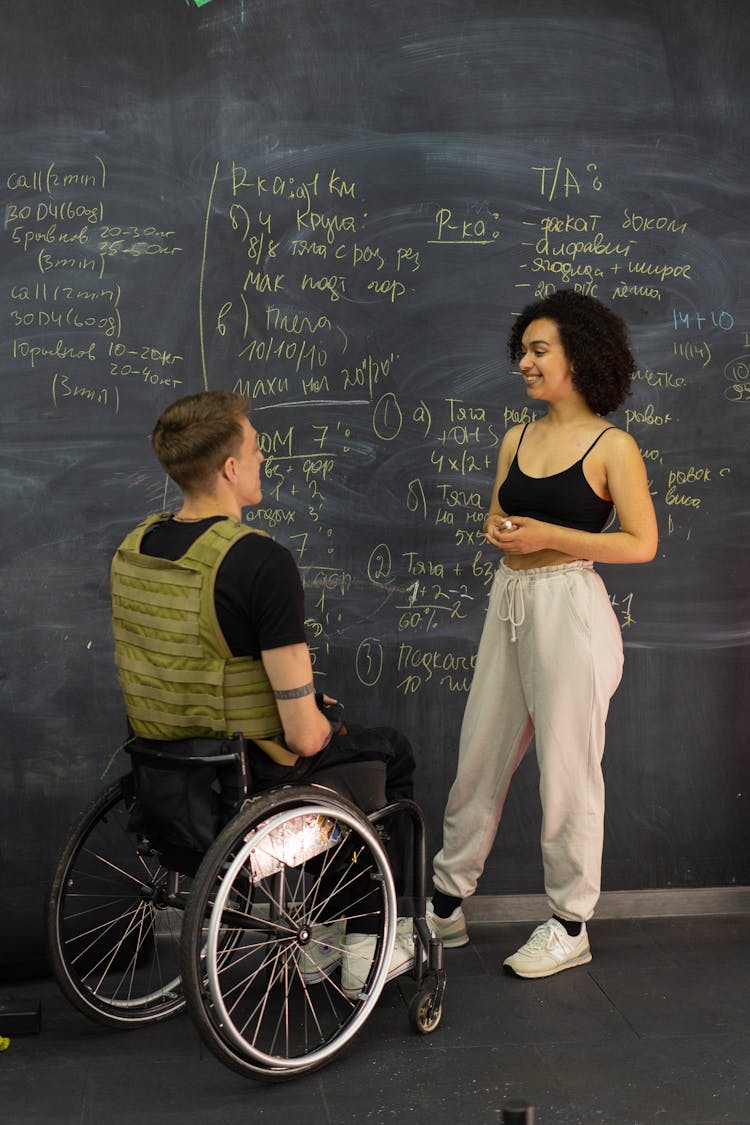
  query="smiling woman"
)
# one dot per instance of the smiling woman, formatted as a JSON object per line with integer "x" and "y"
{"x": 550, "y": 657}
{"x": 592, "y": 340}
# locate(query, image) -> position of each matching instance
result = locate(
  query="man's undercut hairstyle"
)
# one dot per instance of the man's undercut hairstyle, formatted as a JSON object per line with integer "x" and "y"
{"x": 195, "y": 435}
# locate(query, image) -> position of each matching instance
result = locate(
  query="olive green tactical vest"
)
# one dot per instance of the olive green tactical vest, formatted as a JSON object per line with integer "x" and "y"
{"x": 176, "y": 671}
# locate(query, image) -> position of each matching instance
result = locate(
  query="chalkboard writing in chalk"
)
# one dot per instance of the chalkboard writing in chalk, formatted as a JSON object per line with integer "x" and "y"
{"x": 337, "y": 211}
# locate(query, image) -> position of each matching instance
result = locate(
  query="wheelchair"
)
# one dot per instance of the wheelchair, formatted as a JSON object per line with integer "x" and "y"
{"x": 245, "y": 931}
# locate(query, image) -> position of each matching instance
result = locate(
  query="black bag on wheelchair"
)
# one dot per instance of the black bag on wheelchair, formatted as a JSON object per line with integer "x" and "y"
{"x": 186, "y": 790}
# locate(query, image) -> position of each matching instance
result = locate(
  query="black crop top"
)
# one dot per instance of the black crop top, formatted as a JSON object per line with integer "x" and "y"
{"x": 566, "y": 499}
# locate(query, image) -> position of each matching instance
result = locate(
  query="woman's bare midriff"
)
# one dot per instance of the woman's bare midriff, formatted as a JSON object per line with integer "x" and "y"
{"x": 537, "y": 559}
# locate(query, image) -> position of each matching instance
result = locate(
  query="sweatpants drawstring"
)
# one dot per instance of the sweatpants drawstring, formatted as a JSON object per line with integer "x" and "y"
{"x": 511, "y": 601}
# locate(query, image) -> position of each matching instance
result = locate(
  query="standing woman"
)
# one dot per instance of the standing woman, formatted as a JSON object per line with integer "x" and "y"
{"x": 550, "y": 657}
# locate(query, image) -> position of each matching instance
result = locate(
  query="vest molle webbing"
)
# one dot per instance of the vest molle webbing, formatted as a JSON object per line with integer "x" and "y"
{"x": 176, "y": 671}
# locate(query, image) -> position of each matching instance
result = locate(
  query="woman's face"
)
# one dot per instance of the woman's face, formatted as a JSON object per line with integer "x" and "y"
{"x": 545, "y": 367}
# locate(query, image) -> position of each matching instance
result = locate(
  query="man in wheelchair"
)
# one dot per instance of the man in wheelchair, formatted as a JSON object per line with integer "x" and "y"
{"x": 208, "y": 618}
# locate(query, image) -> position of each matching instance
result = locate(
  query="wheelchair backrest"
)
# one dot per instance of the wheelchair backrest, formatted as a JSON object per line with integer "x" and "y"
{"x": 186, "y": 791}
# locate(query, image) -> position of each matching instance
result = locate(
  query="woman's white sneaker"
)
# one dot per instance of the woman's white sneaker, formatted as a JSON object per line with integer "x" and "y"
{"x": 549, "y": 950}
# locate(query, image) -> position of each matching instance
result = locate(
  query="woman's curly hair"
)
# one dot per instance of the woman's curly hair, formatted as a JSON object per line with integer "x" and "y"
{"x": 594, "y": 339}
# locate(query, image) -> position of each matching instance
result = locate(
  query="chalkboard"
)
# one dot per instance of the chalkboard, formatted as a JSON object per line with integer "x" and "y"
{"x": 337, "y": 208}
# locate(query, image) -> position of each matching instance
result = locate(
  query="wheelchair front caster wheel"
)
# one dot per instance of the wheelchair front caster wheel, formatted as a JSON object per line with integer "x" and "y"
{"x": 424, "y": 1013}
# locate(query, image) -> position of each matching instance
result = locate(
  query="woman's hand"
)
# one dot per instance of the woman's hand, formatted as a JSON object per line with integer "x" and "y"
{"x": 518, "y": 535}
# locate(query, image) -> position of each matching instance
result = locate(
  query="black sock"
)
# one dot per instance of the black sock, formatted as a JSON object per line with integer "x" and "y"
{"x": 573, "y": 929}
{"x": 443, "y": 905}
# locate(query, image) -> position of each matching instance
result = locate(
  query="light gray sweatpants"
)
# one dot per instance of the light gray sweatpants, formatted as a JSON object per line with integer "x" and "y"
{"x": 549, "y": 661}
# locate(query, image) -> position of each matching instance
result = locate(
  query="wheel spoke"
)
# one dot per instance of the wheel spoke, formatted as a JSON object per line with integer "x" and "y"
{"x": 115, "y": 952}
{"x": 272, "y": 1000}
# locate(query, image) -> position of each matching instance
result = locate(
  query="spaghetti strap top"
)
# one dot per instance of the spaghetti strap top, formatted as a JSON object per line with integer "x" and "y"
{"x": 566, "y": 499}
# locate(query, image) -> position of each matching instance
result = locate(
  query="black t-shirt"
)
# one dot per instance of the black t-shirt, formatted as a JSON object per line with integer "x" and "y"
{"x": 258, "y": 592}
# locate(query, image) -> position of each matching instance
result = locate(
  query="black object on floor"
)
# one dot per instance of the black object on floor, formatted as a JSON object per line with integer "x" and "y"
{"x": 518, "y": 1113}
{"x": 20, "y": 1017}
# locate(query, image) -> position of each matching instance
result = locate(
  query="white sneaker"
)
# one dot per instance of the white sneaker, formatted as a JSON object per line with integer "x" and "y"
{"x": 549, "y": 950}
{"x": 319, "y": 958}
{"x": 359, "y": 953}
{"x": 451, "y": 930}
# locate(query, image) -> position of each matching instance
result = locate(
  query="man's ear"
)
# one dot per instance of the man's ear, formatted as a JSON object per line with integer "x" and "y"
{"x": 228, "y": 470}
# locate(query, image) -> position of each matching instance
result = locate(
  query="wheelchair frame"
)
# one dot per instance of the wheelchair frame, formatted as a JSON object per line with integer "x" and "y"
{"x": 251, "y": 943}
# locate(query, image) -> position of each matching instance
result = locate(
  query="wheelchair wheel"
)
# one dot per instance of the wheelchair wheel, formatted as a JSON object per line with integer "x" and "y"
{"x": 424, "y": 1011}
{"x": 115, "y": 920}
{"x": 264, "y": 933}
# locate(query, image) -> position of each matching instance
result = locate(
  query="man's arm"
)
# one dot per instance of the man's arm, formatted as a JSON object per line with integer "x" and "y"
{"x": 289, "y": 669}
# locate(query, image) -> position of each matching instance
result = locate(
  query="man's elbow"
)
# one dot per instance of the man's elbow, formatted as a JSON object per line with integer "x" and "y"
{"x": 305, "y": 743}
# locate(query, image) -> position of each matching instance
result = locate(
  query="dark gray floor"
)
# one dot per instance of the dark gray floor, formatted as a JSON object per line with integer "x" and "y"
{"x": 655, "y": 1029}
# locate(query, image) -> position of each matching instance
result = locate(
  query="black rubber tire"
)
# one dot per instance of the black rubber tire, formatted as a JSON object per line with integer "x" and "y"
{"x": 242, "y": 950}
{"x": 114, "y": 951}
{"x": 424, "y": 1016}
